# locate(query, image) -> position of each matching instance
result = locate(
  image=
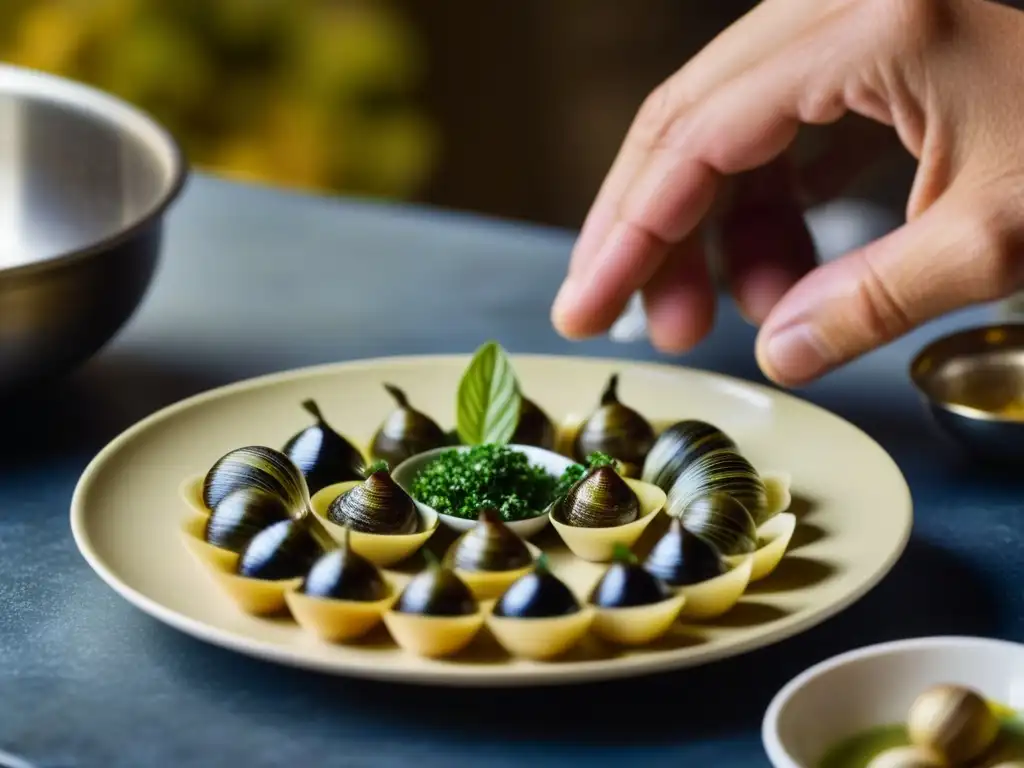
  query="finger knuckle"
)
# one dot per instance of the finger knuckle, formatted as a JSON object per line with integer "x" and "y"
{"x": 882, "y": 310}
{"x": 656, "y": 115}
{"x": 912, "y": 26}
{"x": 996, "y": 235}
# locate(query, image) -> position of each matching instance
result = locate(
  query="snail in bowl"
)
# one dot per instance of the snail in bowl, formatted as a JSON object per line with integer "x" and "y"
{"x": 614, "y": 429}
{"x": 436, "y": 614}
{"x": 489, "y": 556}
{"x": 241, "y": 515}
{"x": 322, "y": 455}
{"x": 633, "y": 607}
{"x": 385, "y": 524}
{"x": 603, "y": 509}
{"x": 952, "y": 721}
{"x": 342, "y": 597}
{"x": 697, "y": 570}
{"x": 538, "y": 616}
{"x": 405, "y": 432}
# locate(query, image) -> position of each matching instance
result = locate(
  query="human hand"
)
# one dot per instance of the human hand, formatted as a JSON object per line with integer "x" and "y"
{"x": 946, "y": 74}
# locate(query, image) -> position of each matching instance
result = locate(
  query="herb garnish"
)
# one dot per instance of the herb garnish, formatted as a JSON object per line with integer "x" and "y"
{"x": 487, "y": 410}
{"x": 460, "y": 482}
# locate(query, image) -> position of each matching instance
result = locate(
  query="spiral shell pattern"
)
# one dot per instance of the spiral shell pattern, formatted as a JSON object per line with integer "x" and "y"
{"x": 719, "y": 471}
{"x": 679, "y": 446}
{"x": 722, "y": 522}
{"x": 376, "y": 505}
{"x": 490, "y": 545}
{"x": 600, "y": 499}
{"x": 259, "y": 467}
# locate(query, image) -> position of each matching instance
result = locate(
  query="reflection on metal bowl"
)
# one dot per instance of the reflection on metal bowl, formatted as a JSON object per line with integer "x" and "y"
{"x": 973, "y": 382}
{"x": 85, "y": 180}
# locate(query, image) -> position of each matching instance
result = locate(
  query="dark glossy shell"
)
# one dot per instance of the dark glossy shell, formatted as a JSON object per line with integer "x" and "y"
{"x": 241, "y": 515}
{"x": 721, "y": 471}
{"x": 534, "y": 428}
{"x": 284, "y": 550}
{"x": 722, "y": 522}
{"x": 490, "y": 545}
{"x": 437, "y": 591}
{"x": 376, "y": 505}
{"x": 322, "y": 455}
{"x": 627, "y": 584}
{"x": 614, "y": 429}
{"x": 538, "y": 594}
{"x": 405, "y": 432}
{"x": 600, "y": 499}
{"x": 256, "y": 466}
{"x": 680, "y": 558}
{"x": 343, "y": 574}
{"x": 678, "y": 447}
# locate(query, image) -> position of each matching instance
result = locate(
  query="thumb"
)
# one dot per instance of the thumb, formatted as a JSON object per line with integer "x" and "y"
{"x": 963, "y": 250}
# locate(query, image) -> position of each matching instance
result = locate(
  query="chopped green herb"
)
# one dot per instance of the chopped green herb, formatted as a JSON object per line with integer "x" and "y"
{"x": 573, "y": 474}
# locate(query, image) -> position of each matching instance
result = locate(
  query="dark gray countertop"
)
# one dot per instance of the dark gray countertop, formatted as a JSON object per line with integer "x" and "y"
{"x": 254, "y": 281}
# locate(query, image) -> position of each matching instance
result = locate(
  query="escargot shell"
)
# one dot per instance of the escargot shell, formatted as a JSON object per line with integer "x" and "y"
{"x": 322, "y": 455}
{"x": 722, "y": 522}
{"x": 678, "y": 447}
{"x": 600, "y": 499}
{"x": 953, "y": 721}
{"x": 537, "y": 594}
{"x": 437, "y": 591}
{"x": 241, "y": 515}
{"x": 681, "y": 558}
{"x": 284, "y": 550}
{"x": 255, "y": 466}
{"x": 376, "y": 505}
{"x": 720, "y": 471}
{"x": 626, "y": 584}
{"x": 490, "y": 545}
{"x": 344, "y": 574}
{"x": 614, "y": 429}
{"x": 405, "y": 432}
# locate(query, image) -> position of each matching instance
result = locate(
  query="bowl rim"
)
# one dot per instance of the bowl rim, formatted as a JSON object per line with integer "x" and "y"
{"x": 918, "y": 377}
{"x": 773, "y": 746}
{"x": 158, "y": 141}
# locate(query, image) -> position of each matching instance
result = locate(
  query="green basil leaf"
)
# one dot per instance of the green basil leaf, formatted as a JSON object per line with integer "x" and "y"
{"x": 488, "y": 400}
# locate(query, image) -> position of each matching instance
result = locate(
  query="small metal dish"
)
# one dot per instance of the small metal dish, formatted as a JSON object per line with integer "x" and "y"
{"x": 973, "y": 384}
{"x": 85, "y": 180}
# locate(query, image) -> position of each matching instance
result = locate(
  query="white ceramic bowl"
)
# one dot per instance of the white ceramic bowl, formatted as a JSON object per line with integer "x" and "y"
{"x": 876, "y": 685}
{"x": 554, "y": 463}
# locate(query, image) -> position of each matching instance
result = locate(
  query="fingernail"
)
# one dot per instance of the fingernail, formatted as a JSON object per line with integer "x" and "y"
{"x": 795, "y": 354}
{"x": 564, "y": 300}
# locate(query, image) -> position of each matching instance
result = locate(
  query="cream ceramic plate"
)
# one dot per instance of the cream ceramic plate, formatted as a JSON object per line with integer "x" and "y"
{"x": 852, "y": 506}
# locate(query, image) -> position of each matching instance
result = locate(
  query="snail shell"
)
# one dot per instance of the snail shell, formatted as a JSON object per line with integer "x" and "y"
{"x": 255, "y": 466}
{"x": 405, "y": 432}
{"x": 490, "y": 545}
{"x": 343, "y": 574}
{"x": 720, "y": 471}
{"x": 678, "y": 446}
{"x": 722, "y": 522}
{"x": 626, "y": 584}
{"x": 953, "y": 721}
{"x": 681, "y": 558}
{"x": 322, "y": 455}
{"x": 284, "y": 550}
{"x": 536, "y": 595}
{"x": 241, "y": 515}
{"x": 437, "y": 591}
{"x": 377, "y": 505}
{"x": 534, "y": 428}
{"x": 614, "y": 429}
{"x": 600, "y": 499}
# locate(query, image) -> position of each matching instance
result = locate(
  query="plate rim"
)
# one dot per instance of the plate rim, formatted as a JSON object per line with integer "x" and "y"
{"x": 579, "y": 672}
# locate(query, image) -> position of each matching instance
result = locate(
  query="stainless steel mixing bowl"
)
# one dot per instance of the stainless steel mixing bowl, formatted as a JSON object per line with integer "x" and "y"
{"x": 85, "y": 180}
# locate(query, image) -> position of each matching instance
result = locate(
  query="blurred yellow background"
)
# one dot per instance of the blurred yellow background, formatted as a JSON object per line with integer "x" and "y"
{"x": 315, "y": 94}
